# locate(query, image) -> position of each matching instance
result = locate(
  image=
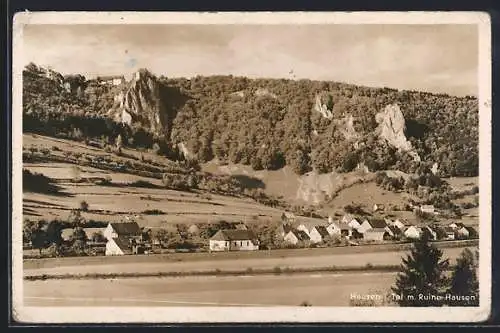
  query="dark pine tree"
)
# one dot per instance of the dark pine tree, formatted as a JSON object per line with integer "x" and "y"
{"x": 422, "y": 280}
{"x": 464, "y": 282}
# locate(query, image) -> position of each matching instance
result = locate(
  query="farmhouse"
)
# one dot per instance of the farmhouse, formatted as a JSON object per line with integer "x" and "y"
{"x": 233, "y": 240}
{"x": 372, "y": 224}
{"x": 412, "y": 232}
{"x": 123, "y": 238}
{"x": 111, "y": 80}
{"x": 376, "y": 234}
{"x": 318, "y": 234}
{"x": 295, "y": 236}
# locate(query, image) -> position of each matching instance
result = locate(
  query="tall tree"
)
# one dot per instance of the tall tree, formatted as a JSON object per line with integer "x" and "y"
{"x": 464, "y": 289}
{"x": 422, "y": 280}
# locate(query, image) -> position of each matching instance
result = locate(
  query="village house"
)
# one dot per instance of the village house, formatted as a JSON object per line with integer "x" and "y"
{"x": 233, "y": 240}
{"x": 114, "y": 80}
{"x": 372, "y": 224}
{"x": 472, "y": 232}
{"x": 334, "y": 229}
{"x": 283, "y": 229}
{"x": 461, "y": 233}
{"x": 123, "y": 238}
{"x": 378, "y": 207}
{"x": 399, "y": 224}
{"x": 376, "y": 234}
{"x": 450, "y": 233}
{"x": 429, "y": 209}
{"x": 430, "y": 232}
{"x": 412, "y": 232}
{"x": 394, "y": 232}
{"x": 456, "y": 225}
{"x": 318, "y": 234}
{"x": 288, "y": 217}
{"x": 295, "y": 236}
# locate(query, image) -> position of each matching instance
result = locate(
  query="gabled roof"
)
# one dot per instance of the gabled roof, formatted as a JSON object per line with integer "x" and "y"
{"x": 395, "y": 230}
{"x": 126, "y": 228}
{"x": 460, "y": 225}
{"x": 123, "y": 243}
{"x": 322, "y": 230}
{"x": 232, "y": 235}
{"x": 286, "y": 228}
{"x": 471, "y": 230}
{"x": 377, "y": 223}
{"x": 301, "y": 235}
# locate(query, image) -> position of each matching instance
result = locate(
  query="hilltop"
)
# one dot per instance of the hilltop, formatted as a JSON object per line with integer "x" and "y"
{"x": 265, "y": 123}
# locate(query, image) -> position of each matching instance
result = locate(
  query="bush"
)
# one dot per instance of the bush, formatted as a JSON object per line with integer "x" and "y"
{"x": 153, "y": 212}
{"x": 84, "y": 206}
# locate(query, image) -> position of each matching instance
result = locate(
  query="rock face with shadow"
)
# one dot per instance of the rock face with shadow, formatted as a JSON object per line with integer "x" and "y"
{"x": 392, "y": 128}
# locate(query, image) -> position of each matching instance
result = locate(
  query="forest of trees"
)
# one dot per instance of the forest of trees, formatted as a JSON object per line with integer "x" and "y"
{"x": 266, "y": 123}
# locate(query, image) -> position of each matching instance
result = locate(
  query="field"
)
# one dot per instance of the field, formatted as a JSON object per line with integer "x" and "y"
{"x": 317, "y": 289}
{"x": 268, "y": 290}
{"x": 301, "y": 258}
{"x": 113, "y": 203}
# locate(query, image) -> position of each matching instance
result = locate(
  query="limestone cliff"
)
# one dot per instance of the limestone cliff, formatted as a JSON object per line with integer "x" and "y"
{"x": 392, "y": 128}
{"x": 142, "y": 103}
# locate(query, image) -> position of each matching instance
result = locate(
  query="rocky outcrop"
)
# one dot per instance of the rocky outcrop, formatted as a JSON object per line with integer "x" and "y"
{"x": 392, "y": 128}
{"x": 322, "y": 108}
{"x": 261, "y": 92}
{"x": 142, "y": 103}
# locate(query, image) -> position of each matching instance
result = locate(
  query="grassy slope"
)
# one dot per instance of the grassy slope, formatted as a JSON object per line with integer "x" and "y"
{"x": 113, "y": 203}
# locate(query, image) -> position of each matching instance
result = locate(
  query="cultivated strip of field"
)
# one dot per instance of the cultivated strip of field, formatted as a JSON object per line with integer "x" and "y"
{"x": 345, "y": 260}
{"x": 218, "y": 272}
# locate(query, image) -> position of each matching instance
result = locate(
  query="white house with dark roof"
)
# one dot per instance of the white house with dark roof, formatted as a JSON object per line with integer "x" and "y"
{"x": 294, "y": 236}
{"x": 372, "y": 224}
{"x": 334, "y": 229}
{"x": 233, "y": 240}
{"x": 123, "y": 238}
{"x": 318, "y": 234}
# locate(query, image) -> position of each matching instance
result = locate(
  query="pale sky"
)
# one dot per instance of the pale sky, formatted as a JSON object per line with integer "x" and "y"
{"x": 435, "y": 58}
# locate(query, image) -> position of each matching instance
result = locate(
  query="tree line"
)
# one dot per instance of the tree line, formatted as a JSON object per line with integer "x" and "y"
{"x": 269, "y": 123}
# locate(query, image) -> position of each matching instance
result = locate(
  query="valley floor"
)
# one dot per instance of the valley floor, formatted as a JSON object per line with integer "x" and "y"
{"x": 268, "y": 290}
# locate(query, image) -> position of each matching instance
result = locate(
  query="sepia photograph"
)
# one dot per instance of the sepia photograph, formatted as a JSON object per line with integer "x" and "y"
{"x": 251, "y": 167}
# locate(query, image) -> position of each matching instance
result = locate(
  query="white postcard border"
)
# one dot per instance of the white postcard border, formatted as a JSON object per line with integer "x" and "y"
{"x": 269, "y": 314}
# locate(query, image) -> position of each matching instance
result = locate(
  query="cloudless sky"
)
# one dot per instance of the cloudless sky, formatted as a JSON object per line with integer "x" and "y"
{"x": 435, "y": 58}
